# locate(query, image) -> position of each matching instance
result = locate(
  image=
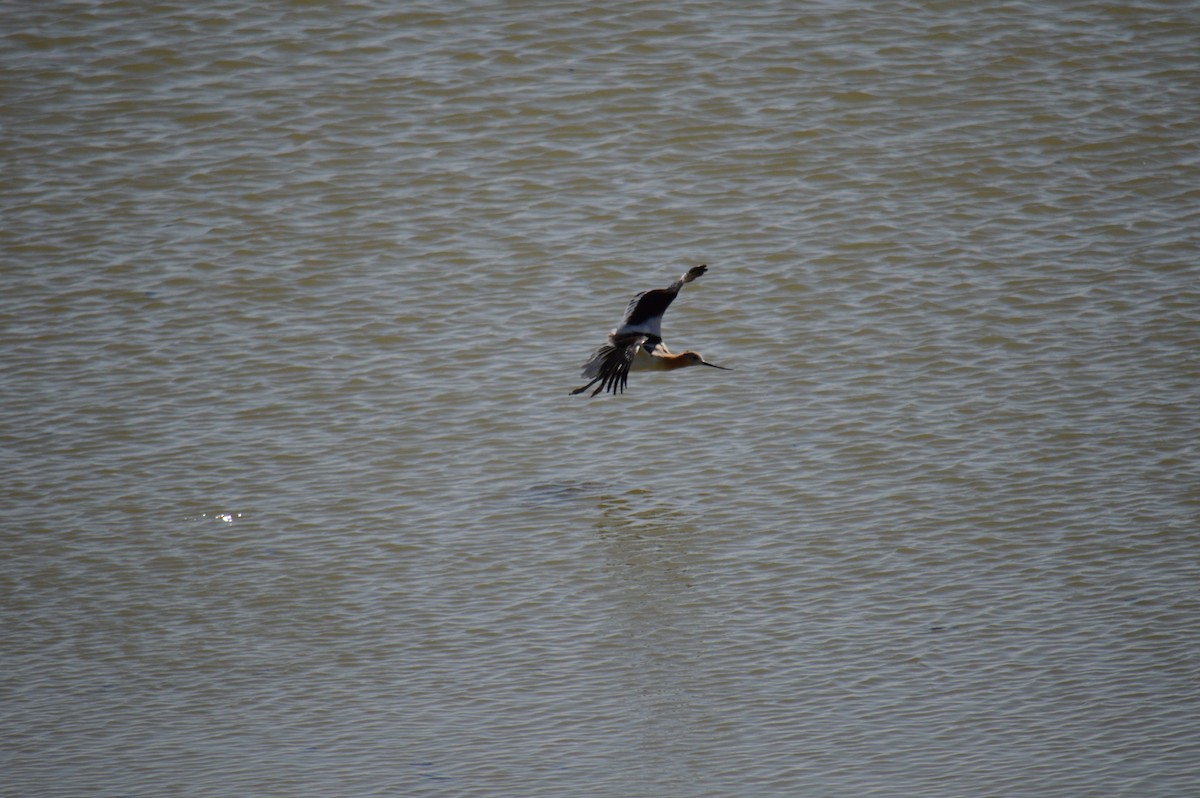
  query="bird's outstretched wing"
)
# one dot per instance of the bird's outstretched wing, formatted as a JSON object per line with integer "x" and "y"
{"x": 609, "y": 365}
{"x": 645, "y": 311}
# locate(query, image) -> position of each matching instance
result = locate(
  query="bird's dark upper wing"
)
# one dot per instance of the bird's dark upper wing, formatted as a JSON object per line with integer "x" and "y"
{"x": 651, "y": 304}
{"x": 648, "y": 305}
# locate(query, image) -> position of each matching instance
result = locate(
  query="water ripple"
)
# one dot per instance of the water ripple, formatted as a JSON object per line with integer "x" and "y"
{"x": 297, "y": 501}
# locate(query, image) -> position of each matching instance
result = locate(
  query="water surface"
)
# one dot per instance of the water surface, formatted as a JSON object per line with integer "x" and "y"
{"x": 296, "y": 501}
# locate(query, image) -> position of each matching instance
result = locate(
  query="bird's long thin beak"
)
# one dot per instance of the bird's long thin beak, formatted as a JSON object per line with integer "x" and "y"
{"x": 714, "y": 365}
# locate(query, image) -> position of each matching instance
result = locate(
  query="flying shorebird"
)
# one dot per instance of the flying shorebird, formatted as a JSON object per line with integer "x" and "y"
{"x": 637, "y": 345}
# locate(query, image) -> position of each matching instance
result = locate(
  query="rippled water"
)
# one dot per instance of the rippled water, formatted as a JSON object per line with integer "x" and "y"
{"x": 296, "y": 501}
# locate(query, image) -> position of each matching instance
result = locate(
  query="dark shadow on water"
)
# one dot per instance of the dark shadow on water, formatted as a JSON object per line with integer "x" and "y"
{"x": 567, "y": 491}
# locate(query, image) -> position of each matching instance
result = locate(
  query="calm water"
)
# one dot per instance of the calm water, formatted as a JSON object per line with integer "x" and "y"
{"x": 295, "y": 500}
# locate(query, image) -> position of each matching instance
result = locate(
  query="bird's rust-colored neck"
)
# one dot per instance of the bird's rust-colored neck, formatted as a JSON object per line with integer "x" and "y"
{"x": 682, "y": 360}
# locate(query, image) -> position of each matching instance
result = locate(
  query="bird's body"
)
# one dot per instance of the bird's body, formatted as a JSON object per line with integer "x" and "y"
{"x": 636, "y": 344}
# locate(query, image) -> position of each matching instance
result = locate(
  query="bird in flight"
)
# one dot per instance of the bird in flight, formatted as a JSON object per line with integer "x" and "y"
{"x": 637, "y": 345}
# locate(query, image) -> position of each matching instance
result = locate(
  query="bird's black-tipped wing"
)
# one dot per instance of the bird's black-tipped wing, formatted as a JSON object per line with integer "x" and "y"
{"x": 614, "y": 360}
{"x": 648, "y": 305}
{"x": 653, "y": 304}
{"x": 614, "y": 372}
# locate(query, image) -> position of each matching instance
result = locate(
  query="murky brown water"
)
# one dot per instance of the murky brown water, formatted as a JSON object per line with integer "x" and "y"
{"x": 295, "y": 501}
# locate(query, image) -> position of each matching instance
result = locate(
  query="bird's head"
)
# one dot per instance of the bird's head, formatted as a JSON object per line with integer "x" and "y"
{"x": 694, "y": 359}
